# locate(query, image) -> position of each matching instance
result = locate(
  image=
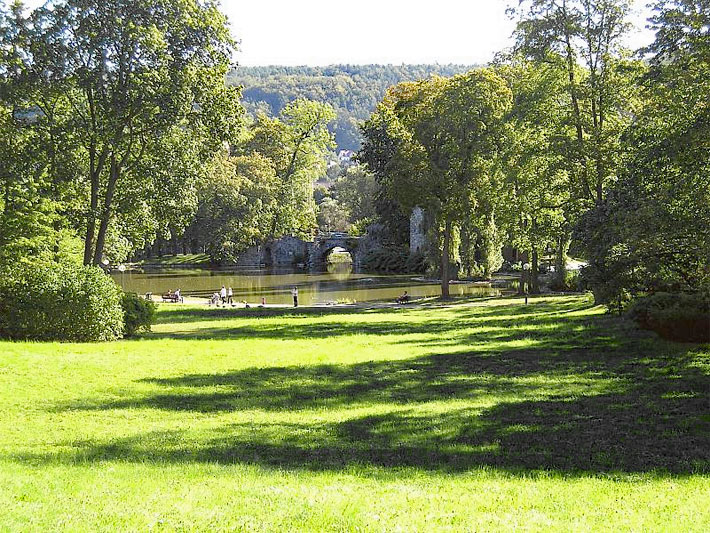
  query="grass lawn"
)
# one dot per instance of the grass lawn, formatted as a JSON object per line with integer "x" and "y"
{"x": 487, "y": 415}
{"x": 177, "y": 260}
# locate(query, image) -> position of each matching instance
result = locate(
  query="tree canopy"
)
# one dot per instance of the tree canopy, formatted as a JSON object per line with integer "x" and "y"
{"x": 128, "y": 97}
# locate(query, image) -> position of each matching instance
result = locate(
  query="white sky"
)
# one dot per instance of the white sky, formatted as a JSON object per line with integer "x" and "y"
{"x": 323, "y": 32}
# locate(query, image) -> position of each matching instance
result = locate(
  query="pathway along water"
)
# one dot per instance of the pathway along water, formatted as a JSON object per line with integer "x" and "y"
{"x": 338, "y": 284}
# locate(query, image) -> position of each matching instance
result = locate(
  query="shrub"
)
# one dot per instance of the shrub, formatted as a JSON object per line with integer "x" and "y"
{"x": 416, "y": 263}
{"x": 360, "y": 227}
{"x": 63, "y": 302}
{"x": 138, "y": 313}
{"x": 392, "y": 259}
{"x": 675, "y": 316}
{"x": 475, "y": 271}
{"x": 571, "y": 283}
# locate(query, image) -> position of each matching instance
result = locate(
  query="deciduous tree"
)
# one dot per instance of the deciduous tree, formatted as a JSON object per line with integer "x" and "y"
{"x": 132, "y": 73}
{"x": 295, "y": 145}
{"x": 441, "y": 145}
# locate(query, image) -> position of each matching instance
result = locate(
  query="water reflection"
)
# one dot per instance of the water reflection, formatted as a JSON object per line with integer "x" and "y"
{"x": 340, "y": 271}
{"x": 338, "y": 284}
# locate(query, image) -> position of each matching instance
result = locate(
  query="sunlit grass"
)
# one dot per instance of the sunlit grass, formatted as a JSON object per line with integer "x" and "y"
{"x": 477, "y": 416}
{"x": 177, "y": 260}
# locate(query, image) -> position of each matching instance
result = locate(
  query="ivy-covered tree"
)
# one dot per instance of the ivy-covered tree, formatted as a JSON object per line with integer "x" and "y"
{"x": 237, "y": 201}
{"x": 653, "y": 233}
{"x": 597, "y": 102}
{"x": 356, "y": 189}
{"x": 537, "y": 175}
{"x": 583, "y": 37}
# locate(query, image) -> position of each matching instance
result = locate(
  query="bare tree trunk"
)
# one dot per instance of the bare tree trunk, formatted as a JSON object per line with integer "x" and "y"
{"x": 534, "y": 273}
{"x": 106, "y": 212}
{"x": 445, "y": 261}
{"x": 91, "y": 219}
{"x": 563, "y": 242}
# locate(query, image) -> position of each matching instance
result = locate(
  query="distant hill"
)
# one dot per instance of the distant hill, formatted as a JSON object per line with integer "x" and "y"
{"x": 353, "y": 90}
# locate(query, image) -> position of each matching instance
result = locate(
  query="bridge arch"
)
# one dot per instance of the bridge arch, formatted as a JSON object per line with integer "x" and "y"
{"x": 326, "y": 252}
{"x": 324, "y": 246}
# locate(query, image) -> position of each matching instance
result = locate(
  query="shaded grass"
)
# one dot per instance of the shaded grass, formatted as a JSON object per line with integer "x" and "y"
{"x": 502, "y": 413}
{"x": 177, "y": 260}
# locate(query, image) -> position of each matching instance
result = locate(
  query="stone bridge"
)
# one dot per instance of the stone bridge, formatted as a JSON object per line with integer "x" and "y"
{"x": 324, "y": 244}
{"x": 290, "y": 251}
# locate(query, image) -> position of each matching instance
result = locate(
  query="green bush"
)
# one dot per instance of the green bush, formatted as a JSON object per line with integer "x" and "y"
{"x": 571, "y": 283}
{"x": 64, "y": 302}
{"x": 138, "y": 313}
{"x": 416, "y": 263}
{"x": 675, "y": 316}
{"x": 385, "y": 260}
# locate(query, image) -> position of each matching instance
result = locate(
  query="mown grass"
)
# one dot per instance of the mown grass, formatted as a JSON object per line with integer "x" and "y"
{"x": 176, "y": 260}
{"x": 477, "y": 416}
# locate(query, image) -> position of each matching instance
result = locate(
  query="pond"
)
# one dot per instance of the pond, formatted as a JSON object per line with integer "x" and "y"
{"x": 338, "y": 284}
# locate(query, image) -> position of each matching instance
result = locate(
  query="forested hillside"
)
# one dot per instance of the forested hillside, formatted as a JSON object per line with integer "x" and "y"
{"x": 352, "y": 90}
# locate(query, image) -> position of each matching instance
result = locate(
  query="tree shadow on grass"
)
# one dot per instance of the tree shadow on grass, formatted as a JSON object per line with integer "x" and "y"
{"x": 555, "y": 358}
{"x": 526, "y": 320}
{"x": 179, "y": 315}
{"x": 624, "y": 432}
{"x": 583, "y": 413}
{"x": 461, "y": 375}
{"x": 580, "y": 398}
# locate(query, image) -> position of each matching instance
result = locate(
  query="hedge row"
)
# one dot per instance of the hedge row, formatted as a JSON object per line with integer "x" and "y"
{"x": 676, "y": 316}
{"x": 394, "y": 260}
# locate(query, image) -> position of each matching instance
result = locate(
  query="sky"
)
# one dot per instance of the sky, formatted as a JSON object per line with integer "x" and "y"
{"x": 323, "y": 32}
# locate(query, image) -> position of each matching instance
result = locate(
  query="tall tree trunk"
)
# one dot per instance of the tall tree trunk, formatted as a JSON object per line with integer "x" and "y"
{"x": 534, "y": 273}
{"x": 57, "y": 222}
{"x": 563, "y": 243}
{"x": 445, "y": 261}
{"x": 576, "y": 110}
{"x": 91, "y": 219}
{"x": 96, "y": 166}
{"x": 106, "y": 211}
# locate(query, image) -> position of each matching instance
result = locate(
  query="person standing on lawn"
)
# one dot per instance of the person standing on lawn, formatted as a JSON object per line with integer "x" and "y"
{"x": 223, "y": 295}
{"x": 294, "y": 293}
{"x": 230, "y": 295}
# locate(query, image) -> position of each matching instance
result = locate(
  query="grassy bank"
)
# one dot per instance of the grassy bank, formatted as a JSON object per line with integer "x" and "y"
{"x": 186, "y": 260}
{"x": 480, "y": 416}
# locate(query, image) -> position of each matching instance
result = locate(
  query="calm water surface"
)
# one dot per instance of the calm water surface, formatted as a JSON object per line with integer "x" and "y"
{"x": 338, "y": 284}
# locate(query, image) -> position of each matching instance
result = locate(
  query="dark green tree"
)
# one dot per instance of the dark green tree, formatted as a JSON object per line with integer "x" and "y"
{"x": 654, "y": 231}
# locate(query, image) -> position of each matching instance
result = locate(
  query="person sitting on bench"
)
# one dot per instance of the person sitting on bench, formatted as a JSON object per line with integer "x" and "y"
{"x": 404, "y": 298}
{"x": 171, "y": 296}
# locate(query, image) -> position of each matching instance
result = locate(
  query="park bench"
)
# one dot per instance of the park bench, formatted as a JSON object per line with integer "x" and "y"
{"x": 170, "y": 297}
